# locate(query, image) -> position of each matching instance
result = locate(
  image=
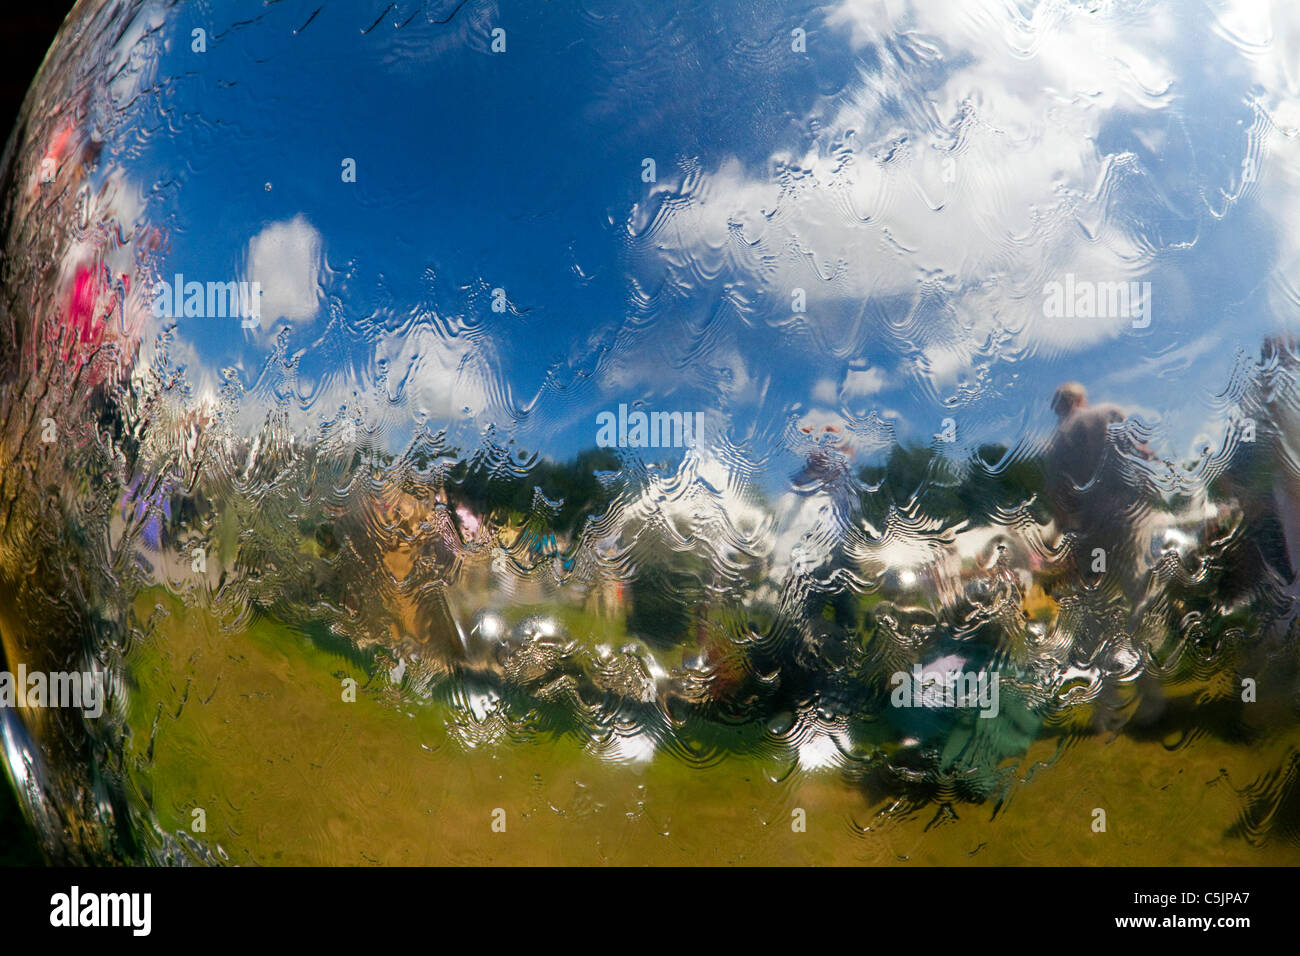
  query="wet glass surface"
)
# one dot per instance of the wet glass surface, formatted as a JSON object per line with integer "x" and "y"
{"x": 679, "y": 433}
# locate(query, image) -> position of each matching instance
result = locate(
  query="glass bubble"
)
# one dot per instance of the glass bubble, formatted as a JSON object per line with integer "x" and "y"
{"x": 712, "y": 432}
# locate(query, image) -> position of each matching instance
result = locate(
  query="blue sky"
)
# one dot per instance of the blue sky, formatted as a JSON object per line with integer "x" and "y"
{"x": 919, "y": 170}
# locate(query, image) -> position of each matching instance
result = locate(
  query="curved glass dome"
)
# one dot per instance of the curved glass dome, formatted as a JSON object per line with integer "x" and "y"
{"x": 720, "y": 432}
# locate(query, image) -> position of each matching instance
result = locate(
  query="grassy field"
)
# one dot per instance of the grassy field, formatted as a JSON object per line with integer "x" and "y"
{"x": 253, "y": 730}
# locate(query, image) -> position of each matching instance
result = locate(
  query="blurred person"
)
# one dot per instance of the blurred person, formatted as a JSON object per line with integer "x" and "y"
{"x": 1100, "y": 508}
{"x": 1264, "y": 482}
{"x": 1091, "y": 498}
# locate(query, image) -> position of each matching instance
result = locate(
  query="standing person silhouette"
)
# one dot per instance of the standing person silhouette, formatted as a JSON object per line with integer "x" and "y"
{"x": 1086, "y": 487}
{"x": 1101, "y": 508}
{"x": 1264, "y": 482}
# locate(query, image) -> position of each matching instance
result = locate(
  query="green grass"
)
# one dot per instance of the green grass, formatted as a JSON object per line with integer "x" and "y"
{"x": 289, "y": 773}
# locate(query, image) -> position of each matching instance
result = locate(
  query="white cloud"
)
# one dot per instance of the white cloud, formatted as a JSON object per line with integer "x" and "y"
{"x": 826, "y": 391}
{"x": 861, "y": 383}
{"x": 285, "y": 257}
{"x": 443, "y": 376}
{"x": 1023, "y": 196}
